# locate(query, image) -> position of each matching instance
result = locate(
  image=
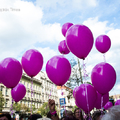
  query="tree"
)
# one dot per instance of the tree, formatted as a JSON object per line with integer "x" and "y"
{"x": 76, "y": 77}
{"x": 74, "y": 107}
{"x": 2, "y": 101}
{"x": 44, "y": 109}
{"x": 20, "y": 107}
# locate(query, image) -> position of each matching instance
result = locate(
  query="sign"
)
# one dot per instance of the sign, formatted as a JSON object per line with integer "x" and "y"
{"x": 62, "y": 101}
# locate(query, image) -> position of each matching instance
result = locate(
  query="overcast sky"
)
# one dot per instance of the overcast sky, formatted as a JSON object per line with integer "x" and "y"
{"x": 28, "y": 24}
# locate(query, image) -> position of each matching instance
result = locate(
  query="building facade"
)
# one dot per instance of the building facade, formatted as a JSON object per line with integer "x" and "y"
{"x": 43, "y": 89}
{"x": 64, "y": 102}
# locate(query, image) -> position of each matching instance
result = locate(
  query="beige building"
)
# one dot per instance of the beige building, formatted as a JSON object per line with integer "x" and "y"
{"x": 63, "y": 93}
{"x": 43, "y": 89}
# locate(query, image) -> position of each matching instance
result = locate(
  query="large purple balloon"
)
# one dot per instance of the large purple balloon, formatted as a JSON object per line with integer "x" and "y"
{"x": 103, "y": 77}
{"x": 108, "y": 105}
{"x": 82, "y": 98}
{"x": 32, "y": 62}
{"x": 79, "y": 39}
{"x": 117, "y": 102}
{"x": 98, "y": 101}
{"x": 65, "y": 27}
{"x": 62, "y": 47}
{"x": 103, "y": 43}
{"x": 18, "y": 92}
{"x": 10, "y": 72}
{"x": 58, "y": 70}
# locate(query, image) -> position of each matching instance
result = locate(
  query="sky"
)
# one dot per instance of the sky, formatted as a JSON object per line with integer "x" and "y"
{"x": 36, "y": 24}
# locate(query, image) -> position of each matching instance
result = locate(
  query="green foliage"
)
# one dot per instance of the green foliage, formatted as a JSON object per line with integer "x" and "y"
{"x": 2, "y": 101}
{"x": 20, "y": 107}
{"x": 74, "y": 108}
{"x": 44, "y": 109}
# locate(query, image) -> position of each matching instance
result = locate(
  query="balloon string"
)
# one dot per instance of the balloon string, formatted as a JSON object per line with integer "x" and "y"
{"x": 31, "y": 93}
{"x": 49, "y": 95}
{"x": 11, "y": 108}
{"x": 51, "y": 91}
{"x": 85, "y": 75}
{"x": 101, "y": 102}
{"x": 104, "y": 57}
{"x": 62, "y": 95}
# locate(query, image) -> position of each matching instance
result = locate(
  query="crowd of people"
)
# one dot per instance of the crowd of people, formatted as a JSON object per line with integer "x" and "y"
{"x": 112, "y": 114}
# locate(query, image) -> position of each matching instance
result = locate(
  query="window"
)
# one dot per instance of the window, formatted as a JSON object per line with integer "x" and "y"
{"x": 27, "y": 85}
{"x": 1, "y": 89}
{"x": 28, "y": 94}
{"x": 28, "y": 104}
{"x": 6, "y": 91}
{"x": 6, "y": 103}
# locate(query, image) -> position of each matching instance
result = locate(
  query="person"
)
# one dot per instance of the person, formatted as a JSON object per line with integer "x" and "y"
{"x": 97, "y": 115}
{"x": 67, "y": 113}
{"x": 63, "y": 118}
{"x": 5, "y": 117}
{"x": 35, "y": 116}
{"x": 78, "y": 114}
{"x": 53, "y": 112}
{"x": 113, "y": 113}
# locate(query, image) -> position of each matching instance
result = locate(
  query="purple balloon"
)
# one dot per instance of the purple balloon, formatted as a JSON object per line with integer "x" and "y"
{"x": 62, "y": 47}
{"x": 79, "y": 39}
{"x": 10, "y": 72}
{"x": 117, "y": 102}
{"x": 58, "y": 70}
{"x": 74, "y": 91}
{"x": 82, "y": 98}
{"x": 18, "y": 92}
{"x": 103, "y": 43}
{"x": 103, "y": 77}
{"x": 65, "y": 27}
{"x": 98, "y": 101}
{"x": 108, "y": 105}
{"x": 32, "y": 62}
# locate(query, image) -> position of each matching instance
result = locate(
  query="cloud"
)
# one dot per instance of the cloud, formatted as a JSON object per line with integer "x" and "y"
{"x": 97, "y": 27}
{"x": 74, "y": 4}
{"x": 20, "y": 30}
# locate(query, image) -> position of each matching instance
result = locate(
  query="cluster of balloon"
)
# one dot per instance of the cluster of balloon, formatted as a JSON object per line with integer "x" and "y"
{"x": 62, "y": 47}
{"x": 103, "y": 78}
{"x": 117, "y": 102}
{"x": 110, "y": 104}
{"x": 82, "y": 96}
{"x": 18, "y": 92}
{"x": 56, "y": 69}
{"x": 10, "y": 72}
{"x": 98, "y": 102}
{"x": 79, "y": 40}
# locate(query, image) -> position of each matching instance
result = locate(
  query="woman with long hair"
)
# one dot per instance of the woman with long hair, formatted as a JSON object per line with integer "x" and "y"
{"x": 78, "y": 114}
